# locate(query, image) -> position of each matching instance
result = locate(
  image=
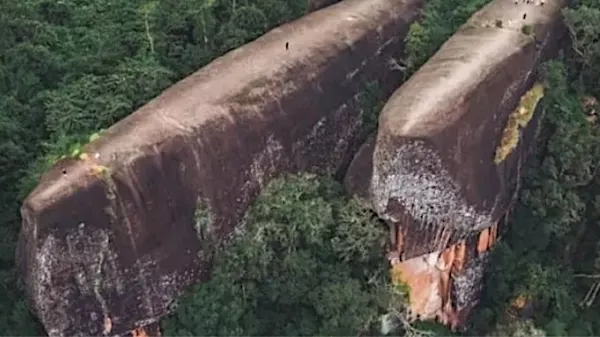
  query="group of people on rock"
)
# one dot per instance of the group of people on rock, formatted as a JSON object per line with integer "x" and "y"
{"x": 531, "y": 2}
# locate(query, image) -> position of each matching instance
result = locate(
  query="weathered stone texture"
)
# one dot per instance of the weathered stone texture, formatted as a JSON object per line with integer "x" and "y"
{"x": 430, "y": 170}
{"x": 445, "y": 285}
{"x": 432, "y": 165}
{"x": 106, "y": 247}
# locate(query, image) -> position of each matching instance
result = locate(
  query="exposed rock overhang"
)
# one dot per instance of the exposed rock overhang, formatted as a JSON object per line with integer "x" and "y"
{"x": 432, "y": 170}
{"x": 107, "y": 246}
{"x": 445, "y": 285}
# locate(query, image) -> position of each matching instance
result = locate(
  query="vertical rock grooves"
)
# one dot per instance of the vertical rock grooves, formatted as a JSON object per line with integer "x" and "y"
{"x": 430, "y": 170}
{"x": 107, "y": 253}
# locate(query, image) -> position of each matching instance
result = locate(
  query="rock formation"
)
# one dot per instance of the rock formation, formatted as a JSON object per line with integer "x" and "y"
{"x": 314, "y": 5}
{"x": 445, "y": 164}
{"x": 111, "y": 237}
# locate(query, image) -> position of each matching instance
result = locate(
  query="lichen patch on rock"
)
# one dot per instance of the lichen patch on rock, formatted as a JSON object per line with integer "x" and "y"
{"x": 518, "y": 120}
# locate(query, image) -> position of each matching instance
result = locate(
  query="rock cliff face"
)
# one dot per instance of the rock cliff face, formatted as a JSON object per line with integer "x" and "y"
{"x": 314, "y": 5}
{"x": 444, "y": 166}
{"x": 111, "y": 237}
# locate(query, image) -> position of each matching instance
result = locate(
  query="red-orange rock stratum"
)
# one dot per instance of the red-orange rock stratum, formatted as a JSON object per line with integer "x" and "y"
{"x": 107, "y": 246}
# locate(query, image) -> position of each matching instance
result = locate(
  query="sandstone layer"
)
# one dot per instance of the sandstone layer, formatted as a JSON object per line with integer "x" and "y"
{"x": 110, "y": 238}
{"x": 445, "y": 164}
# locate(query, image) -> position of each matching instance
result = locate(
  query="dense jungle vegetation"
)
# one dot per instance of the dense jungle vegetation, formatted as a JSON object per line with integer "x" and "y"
{"x": 308, "y": 264}
{"x": 70, "y": 68}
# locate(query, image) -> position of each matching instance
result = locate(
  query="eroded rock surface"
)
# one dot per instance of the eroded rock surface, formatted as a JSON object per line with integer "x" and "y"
{"x": 314, "y": 5}
{"x": 110, "y": 238}
{"x": 432, "y": 171}
{"x": 445, "y": 285}
{"x": 431, "y": 168}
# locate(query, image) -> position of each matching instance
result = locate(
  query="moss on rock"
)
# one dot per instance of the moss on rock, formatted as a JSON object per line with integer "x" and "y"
{"x": 517, "y": 120}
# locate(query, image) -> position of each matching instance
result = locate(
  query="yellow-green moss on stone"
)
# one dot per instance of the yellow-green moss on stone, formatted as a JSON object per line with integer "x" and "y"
{"x": 517, "y": 120}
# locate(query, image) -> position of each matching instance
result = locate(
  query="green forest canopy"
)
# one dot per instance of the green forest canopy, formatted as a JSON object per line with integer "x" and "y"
{"x": 70, "y": 68}
{"x": 308, "y": 264}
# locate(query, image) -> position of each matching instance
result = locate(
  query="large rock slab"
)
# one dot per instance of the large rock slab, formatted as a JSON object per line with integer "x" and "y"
{"x": 445, "y": 164}
{"x": 110, "y": 238}
{"x": 431, "y": 169}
